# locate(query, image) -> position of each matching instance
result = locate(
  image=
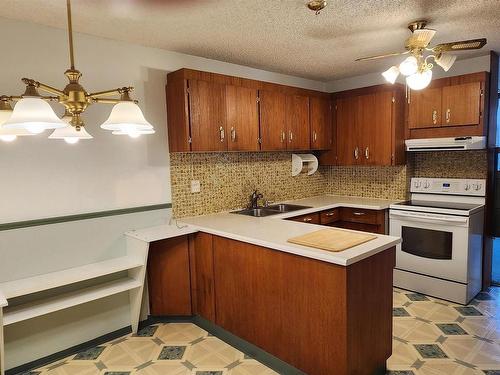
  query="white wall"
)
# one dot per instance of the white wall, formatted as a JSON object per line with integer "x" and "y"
{"x": 476, "y": 64}
{"x": 42, "y": 178}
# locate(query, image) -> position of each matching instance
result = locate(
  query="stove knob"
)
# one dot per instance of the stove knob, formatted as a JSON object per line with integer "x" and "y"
{"x": 467, "y": 187}
{"x": 427, "y": 184}
{"x": 417, "y": 184}
{"x": 476, "y": 187}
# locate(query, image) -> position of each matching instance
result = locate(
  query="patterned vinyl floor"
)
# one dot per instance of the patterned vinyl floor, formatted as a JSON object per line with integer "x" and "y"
{"x": 431, "y": 337}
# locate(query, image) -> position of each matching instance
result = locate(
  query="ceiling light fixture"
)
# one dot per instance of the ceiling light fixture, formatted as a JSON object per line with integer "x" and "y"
{"x": 316, "y": 5}
{"x": 33, "y": 114}
{"x": 416, "y": 67}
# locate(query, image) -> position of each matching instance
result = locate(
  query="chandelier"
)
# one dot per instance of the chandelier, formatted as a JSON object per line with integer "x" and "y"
{"x": 32, "y": 113}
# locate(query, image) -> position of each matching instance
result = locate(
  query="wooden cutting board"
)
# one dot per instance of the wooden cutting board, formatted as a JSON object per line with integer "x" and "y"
{"x": 332, "y": 239}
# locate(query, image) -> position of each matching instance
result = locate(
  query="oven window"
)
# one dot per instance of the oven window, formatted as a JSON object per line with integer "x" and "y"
{"x": 427, "y": 243}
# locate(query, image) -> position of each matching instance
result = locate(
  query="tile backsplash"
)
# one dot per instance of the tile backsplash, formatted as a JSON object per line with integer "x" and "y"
{"x": 227, "y": 179}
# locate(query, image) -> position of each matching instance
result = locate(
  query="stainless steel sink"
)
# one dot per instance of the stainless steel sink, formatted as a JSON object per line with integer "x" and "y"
{"x": 284, "y": 207}
{"x": 257, "y": 212}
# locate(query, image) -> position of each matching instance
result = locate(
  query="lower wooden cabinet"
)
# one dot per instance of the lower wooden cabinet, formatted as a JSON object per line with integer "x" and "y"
{"x": 169, "y": 280}
{"x": 310, "y": 218}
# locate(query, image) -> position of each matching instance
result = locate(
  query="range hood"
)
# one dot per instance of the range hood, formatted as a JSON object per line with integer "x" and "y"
{"x": 446, "y": 144}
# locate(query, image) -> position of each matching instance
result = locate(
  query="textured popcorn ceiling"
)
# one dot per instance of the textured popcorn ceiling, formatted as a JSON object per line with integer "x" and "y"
{"x": 276, "y": 35}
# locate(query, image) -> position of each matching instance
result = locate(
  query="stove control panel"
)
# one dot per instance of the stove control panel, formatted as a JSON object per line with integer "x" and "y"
{"x": 455, "y": 186}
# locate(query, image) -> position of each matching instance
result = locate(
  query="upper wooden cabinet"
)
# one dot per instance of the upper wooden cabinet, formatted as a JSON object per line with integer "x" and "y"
{"x": 214, "y": 112}
{"x": 321, "y": 123}
{"x": 369, "y": 125}
{"x": 449, "y": 107}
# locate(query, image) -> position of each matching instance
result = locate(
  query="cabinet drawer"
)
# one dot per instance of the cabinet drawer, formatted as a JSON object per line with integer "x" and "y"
{"x": 329, "y": 216}
{"x": 359, "y": 215}
{"x": 311, "y": 218}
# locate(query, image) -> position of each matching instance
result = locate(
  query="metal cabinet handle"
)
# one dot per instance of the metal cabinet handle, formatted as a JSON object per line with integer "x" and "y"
{"x": 356, "y": 153}
{"x": 315, "y": 136}
{"x": 283, "y": 136}
{"x": 358, "y": 213}
{"x": 222, "y": 134}
{"x": 367, "y": 153}
{"x": 307, "y": 219}
{"x": 329, "y": 214}
{"x": 434, "y": 117}
{"x": 290, "y": 136}
{"x": 233, "y": 134}
{"x": 448, "y": 115}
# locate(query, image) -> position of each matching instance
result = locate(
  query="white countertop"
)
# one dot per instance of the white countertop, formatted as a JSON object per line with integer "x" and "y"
{"x": 272, "y": 232}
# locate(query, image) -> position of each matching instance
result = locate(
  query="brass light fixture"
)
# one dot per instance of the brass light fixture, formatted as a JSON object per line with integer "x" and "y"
{"x": 316, "y": 5}
{"x": 418, "y": 67}
{"x": 32, "y": 114}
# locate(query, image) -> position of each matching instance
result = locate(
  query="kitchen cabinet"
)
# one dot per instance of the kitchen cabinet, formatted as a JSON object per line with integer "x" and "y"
{"x": 321, "y": 123}
{"x": 309, "y": 218}
{"x": 273, "y": 120}
{"x": 208, "y": 112}
{"x": 370, "y": 127}
{"x": 169, "y": 277}
{"x": 449, "y": 107}
{"x": 242, "y": 118}
{"x": 297, "y": 119}
{"x": 364, "y": 220}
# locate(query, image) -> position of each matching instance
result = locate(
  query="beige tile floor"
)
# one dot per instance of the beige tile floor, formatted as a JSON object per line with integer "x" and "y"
{"x": 431, "y": 337}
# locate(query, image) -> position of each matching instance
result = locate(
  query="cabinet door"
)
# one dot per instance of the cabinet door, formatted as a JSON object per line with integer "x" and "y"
{"x": 207, "y": 116}
{"x": 377, "y": 128}
{"x": 425, "y": 108}
{"x": 461, "y": 104}
{"x": 273, "y": 127}
{"x": 321, "y": 123}
{"x": 310, "y": 218}
{"x": 348, "y": 152}
{"x": 242, "y": 119}
{"x": 297, "y": 119}
{"x": 169, "y": 280}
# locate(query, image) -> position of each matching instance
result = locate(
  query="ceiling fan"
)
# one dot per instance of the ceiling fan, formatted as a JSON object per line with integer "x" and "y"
{"x": 416, "y": 67}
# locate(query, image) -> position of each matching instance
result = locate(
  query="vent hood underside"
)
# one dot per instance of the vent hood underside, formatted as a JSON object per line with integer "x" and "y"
{"x": 446, "y": 144}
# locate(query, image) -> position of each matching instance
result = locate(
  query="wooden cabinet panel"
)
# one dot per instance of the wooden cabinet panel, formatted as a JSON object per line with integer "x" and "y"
{"x": 425, "y": 108}
{"x": 297, "y": 119}
{"x": 168, "y": 277}
{"x": 262, "y": 293}
{"x": 242, "y": 119}
{"x": 362, "y": 219}
{"x": 347, "y": 131}
{"x": 309, "y": 218}
{"x": 329, "y": 216}
{"x": 321, "y": 123}
{"x": 273, "y": 126}
{"x": 461, "y": 104}
{"x": 177, "y": 114}
{"x": 202, "y": 268}
{"x": 379, "y": 145}
{"x": 207, "y": 106}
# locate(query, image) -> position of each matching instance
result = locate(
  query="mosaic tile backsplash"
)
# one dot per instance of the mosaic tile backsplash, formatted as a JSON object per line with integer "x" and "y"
{"x": 227, "y": 179}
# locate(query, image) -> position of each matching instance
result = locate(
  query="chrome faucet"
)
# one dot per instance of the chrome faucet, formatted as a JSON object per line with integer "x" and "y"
{"x": 254, "y": 199}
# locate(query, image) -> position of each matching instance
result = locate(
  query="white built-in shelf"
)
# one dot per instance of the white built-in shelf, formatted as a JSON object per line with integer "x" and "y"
{"x": 35, "y": 284}
{"x": 45, "y": 306}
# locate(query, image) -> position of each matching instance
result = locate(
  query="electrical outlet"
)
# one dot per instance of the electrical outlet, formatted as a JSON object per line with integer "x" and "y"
{"x": 195, "y": 186}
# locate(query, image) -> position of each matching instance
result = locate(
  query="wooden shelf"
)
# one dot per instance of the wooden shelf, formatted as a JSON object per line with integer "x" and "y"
{"x": 22, "y": 287}
{"x": 41, "y": 307}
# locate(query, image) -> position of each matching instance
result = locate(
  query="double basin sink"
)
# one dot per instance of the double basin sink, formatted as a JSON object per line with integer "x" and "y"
{"x": 274, "y": 209}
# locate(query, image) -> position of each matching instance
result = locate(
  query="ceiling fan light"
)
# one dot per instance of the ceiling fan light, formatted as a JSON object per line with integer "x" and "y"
{"x": 70, "y": 134}
{"x": 134, "y": 134}
{"x": 419, "y": 80}
{"x": 126, "y": 117}
{"x": 391, "y": 74}
{"x": 34, "y": 115}
{"x": 409, "y": 66}
{"x": 445, "y": 61}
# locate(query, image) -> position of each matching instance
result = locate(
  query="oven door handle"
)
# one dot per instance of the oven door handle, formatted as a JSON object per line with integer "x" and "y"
{"x": 430, "y": 219}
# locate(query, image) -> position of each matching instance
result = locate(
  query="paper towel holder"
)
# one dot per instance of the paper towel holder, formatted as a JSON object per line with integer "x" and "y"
{"x": 304, "y": 163}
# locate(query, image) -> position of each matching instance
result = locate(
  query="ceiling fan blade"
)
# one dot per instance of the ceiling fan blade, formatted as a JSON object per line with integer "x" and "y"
{"x": 381, "y": 56}
{"x": 460, "y": 45}
{"x": 420, "y": 38}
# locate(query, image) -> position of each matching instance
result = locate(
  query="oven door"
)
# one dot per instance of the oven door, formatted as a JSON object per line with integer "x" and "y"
{"x": 432, "y": 244}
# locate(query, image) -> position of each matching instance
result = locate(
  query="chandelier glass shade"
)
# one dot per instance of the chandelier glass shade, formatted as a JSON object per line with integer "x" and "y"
{"x": 33, "y": 114}
{"x": 419, "y": 80}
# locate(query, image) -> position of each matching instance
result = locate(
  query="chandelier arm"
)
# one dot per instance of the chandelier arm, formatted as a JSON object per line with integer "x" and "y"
{"x": 43, "y": 86}
{"x": 118, "y": 91}
{"x": 111, "y": 101}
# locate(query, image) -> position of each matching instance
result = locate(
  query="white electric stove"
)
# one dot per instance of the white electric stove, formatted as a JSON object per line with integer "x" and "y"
{"x": 442, "y": 238}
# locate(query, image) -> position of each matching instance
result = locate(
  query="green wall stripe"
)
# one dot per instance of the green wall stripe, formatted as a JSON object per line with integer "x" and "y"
{"x": 86, "y": 216}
